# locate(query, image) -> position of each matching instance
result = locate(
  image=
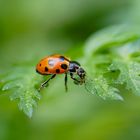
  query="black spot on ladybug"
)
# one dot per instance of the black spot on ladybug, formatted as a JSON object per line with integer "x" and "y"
{"x": 64, "y": 66}
{"x": 40, "y": 65}
{"x": 46, "y": 69}
{"x": 57, "y": 70}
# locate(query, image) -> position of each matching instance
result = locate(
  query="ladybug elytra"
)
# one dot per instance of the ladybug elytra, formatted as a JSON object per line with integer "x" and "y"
{"x": 58, "y": 64}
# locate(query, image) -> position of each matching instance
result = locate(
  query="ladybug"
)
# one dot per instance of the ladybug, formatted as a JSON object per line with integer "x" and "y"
{"x": 58, "y": 64}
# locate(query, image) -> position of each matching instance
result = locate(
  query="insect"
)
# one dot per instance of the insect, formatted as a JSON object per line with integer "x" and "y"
{"x": 58, "y": 64}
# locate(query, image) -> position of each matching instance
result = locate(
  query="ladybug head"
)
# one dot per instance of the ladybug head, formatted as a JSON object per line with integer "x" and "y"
{"x": 81, "y": 72}
{"x": 75, "y": 67}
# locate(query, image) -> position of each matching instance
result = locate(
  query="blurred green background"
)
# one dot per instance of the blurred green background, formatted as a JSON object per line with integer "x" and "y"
{"x": 30, "y": 30}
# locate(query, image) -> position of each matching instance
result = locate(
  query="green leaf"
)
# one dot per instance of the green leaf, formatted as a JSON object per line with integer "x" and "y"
{"x": 114, "y": 36}
{"x": 100, "y": 87}
{"x": 113, "y": 58}
{"x": 21, "y": 82}
{"x": 129, "y": 74}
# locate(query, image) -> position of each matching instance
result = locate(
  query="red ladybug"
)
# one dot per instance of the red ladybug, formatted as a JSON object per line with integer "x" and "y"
{"x": 58, "y": 64}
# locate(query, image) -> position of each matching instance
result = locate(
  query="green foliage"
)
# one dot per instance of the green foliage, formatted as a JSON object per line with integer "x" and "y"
{"x": 111, "y": 59}
{"x": 101, "y": 87}
{"x": 21, "y": 81}
{"x": 129, "y": 75}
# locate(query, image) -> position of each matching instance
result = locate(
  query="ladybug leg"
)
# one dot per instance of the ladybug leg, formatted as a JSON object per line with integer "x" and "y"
{"x": 45, "y": 83}
{"x": 76, "y": 81}
{"x": 66, "y": 80}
